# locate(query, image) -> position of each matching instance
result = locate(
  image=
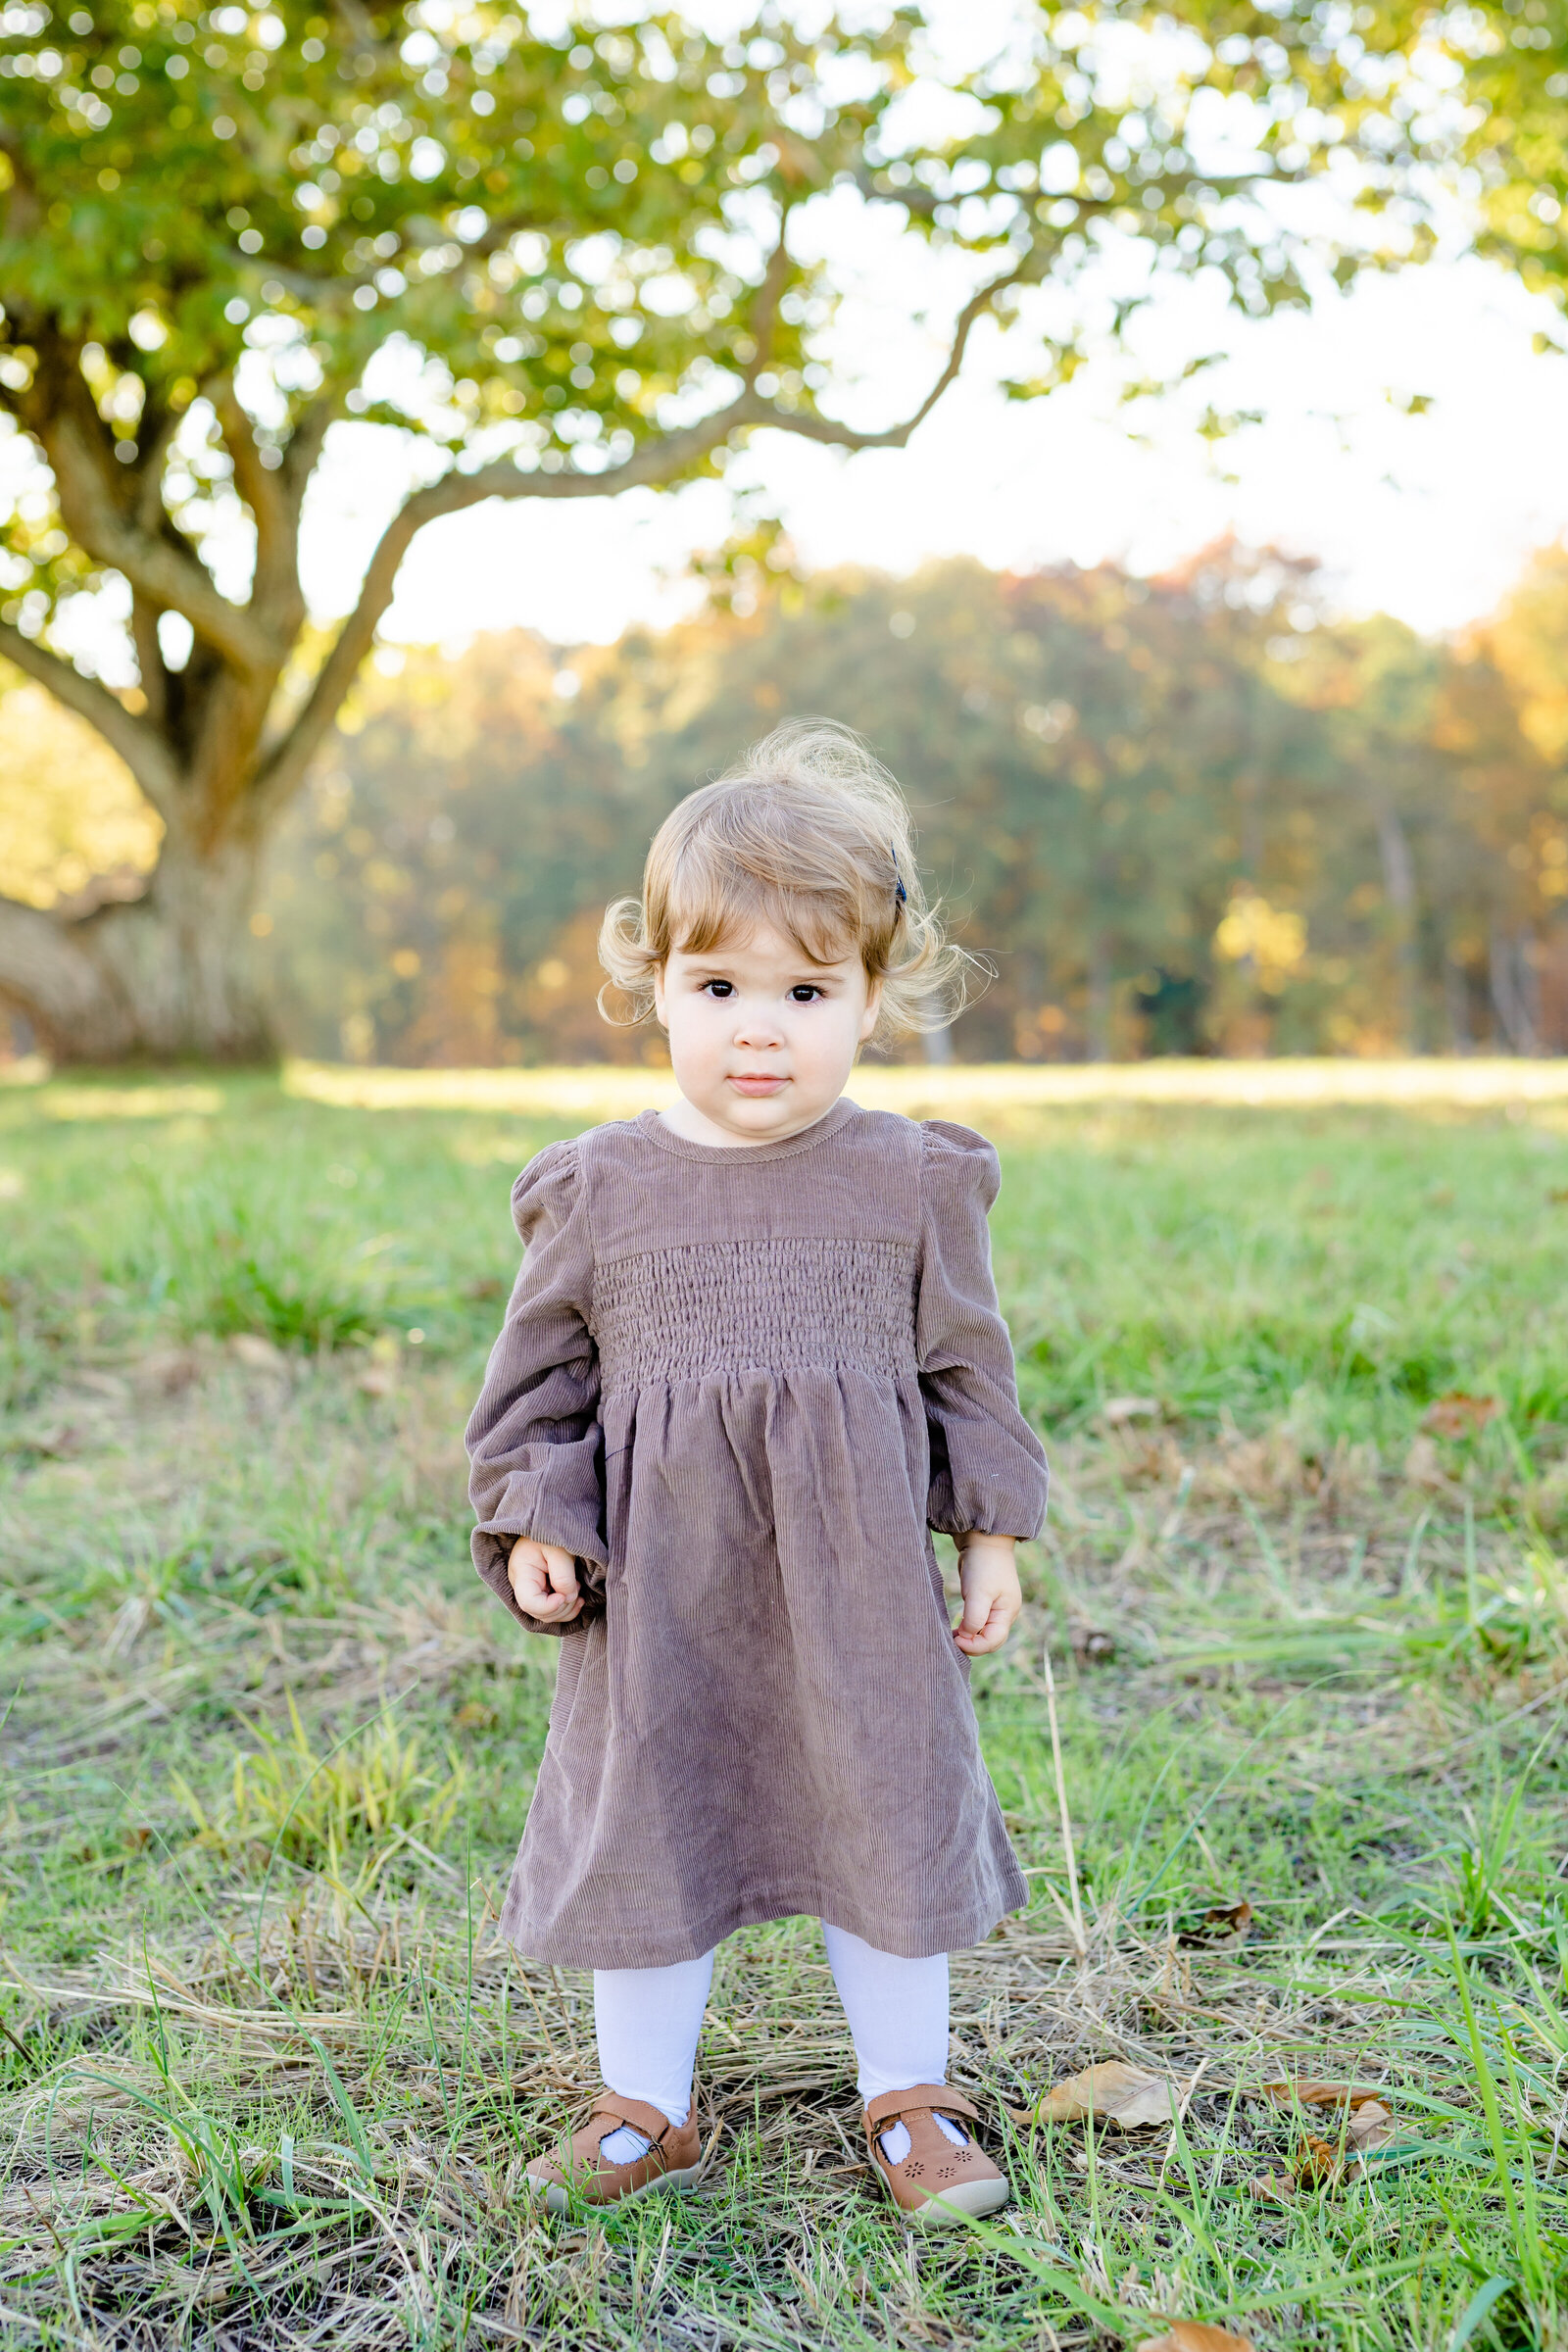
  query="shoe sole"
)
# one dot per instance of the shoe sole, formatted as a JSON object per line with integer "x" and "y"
{"x": 557, "y": 2197}
{"x": 967, "y": 2203}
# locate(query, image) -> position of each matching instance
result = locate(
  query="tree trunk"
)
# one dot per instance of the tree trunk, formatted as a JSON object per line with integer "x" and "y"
{"x": 1399, "y": 882}
{"x": 1510, "y": 974}
{"x": 167, "y": 978}
{"x": 1456, "y": 1004}
{"x": 1099, "y": 1010}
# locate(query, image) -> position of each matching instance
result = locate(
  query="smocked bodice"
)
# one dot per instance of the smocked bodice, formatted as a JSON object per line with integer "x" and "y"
{"x": 801, "y": 1301}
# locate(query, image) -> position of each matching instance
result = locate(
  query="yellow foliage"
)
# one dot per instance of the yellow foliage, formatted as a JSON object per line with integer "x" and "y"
{"x": 70, "y": 812}
{"x": 1525, "y": 639}
{"x": 1271, "y": 936}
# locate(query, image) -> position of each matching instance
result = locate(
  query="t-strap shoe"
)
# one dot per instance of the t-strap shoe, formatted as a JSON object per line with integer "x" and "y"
{"x": 934, "y": 2180}
{"x": 578, "y": 2166}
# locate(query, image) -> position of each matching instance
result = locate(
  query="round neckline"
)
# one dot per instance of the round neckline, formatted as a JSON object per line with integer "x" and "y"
{"x": 747, "y": 1154}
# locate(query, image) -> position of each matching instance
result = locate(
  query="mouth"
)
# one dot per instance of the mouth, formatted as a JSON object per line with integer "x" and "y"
{"x": 756, "y": 1084}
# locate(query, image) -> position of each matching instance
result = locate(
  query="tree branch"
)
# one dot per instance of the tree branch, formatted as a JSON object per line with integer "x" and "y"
{"x": 310, "y": 429}
{"x": 769, "y": 294}
{"x": 140, "y": 748}
{"x": 657, "y": 462}
{"x": 895, "y": 436}
{"x": 158, "y": 571}
{"x": 258, "y": 486}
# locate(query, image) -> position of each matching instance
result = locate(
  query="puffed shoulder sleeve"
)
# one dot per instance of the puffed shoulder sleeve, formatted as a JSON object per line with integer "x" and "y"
{"x": 988, "y": 1468}
{"x": 533, "y": 1440}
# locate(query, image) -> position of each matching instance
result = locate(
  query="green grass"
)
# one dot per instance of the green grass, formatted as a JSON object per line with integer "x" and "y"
{"x": 268, "y": 2076}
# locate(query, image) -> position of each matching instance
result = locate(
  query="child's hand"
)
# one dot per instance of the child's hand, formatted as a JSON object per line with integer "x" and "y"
{"x": 544, "y": 1581}
{"x": 992, "y": 1595}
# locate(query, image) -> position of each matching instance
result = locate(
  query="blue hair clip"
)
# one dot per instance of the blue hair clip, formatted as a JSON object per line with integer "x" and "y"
{"x": 903, "y": 895}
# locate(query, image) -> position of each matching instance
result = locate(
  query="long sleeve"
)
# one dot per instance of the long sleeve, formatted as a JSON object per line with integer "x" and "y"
{"x": 988, "y": 1468}
{"x": 533, "y": 1439}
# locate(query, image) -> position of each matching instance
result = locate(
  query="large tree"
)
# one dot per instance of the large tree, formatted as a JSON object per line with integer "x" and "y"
{"x": 545, "y": 263}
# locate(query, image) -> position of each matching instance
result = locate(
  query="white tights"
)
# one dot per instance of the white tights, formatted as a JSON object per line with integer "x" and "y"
{"x": 647, "y": 2020}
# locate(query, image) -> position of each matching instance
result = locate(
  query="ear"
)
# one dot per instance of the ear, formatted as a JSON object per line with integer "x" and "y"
{"x": 659, "y": 998}
{"x": 873, "y": 1008}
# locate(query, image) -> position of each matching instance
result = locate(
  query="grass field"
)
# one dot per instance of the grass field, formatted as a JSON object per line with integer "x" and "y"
{"x": 268, "y": 2076}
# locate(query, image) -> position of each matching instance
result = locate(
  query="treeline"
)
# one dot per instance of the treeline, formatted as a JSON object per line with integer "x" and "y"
{"x": 1176, "y": 816}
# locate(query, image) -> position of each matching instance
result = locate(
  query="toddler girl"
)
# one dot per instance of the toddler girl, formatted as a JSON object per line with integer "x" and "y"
{"x": 753, "y": 1356}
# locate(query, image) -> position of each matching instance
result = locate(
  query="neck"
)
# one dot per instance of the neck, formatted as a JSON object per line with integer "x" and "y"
{"x": 693, "y": 1126}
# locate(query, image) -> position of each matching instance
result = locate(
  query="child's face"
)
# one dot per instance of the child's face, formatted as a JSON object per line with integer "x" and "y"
{"x": 763, "y": 1040}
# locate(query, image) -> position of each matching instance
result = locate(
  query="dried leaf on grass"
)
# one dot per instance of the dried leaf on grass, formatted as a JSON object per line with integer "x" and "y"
{"x": 1424, "y": 1467}
{"x": 1117, "y": 1411}
{"x": 1225, "y": 1924}
{"x": 1091, "y": 1646}
{"x": 255, "y": 1354}
{"x": 1372, "y": 2126}
{"x": 1459, "y": 1415}
{"x": 1306, "y": 2090}
{"x": 1114, "y": 2092}
{"x": 1194, "y": 2336}
{"x": 1321, "y": 2162}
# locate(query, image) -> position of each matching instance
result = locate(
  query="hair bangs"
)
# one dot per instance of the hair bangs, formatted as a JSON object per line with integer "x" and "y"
{"x": 808, "y": 837}
{"x": 712, "y": 904}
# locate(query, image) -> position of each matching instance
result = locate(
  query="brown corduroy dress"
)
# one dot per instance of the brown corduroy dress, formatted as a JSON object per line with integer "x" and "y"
{"x": 741, "y": 1385}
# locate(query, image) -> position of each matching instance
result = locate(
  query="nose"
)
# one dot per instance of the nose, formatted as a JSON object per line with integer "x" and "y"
{"x": 757, "y": 1030}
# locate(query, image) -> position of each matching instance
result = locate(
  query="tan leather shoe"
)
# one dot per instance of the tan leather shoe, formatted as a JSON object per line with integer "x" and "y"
{"x": 935, "y": 2184}
{"x": 577, "y": 2166}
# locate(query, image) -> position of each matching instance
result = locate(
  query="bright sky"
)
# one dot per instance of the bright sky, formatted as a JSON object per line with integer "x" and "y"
{"x": 1430, "y": 516}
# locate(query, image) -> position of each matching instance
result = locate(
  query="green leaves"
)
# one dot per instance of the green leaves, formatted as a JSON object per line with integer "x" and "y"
{"x": 533, "y": 212}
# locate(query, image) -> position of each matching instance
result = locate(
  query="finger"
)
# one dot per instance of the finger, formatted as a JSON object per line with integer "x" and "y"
{"x": 978, "y": 1604}
{"x": 980, "y": 1641}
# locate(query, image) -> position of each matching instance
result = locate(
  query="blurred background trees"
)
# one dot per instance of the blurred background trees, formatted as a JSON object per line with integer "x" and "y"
{"x": 1188, "y": 814}
{"x": 1178, "y": 816}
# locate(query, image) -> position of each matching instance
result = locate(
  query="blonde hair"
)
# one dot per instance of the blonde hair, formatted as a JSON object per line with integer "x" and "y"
{"x": 807, "y": 833}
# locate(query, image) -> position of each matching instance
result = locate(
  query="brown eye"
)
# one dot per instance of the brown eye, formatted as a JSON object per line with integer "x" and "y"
{"x": 804, "y": 994}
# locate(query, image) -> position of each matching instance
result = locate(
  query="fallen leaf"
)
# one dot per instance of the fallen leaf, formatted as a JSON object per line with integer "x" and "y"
{"x": 1423, "y": 1466}
{"x": 1129, "y": 2096}
{"x": 170, "y": 1370}
{"x": 1194, "y": 2336}
{"x": 61, "y": 1438}
{"x": 376, "y": 1380}
{"x": 1558, "y": 1194}
{"x": 1371, "y": 2126}
{"x": 248, "y": 1348}
{"x": 1117, "y": 1412}
{"x": 1307, "y": 2091}
{"x": 1321, "y": 2161}
{"x": 1225, "y": 1924}
{"x": 1091, "y": 1646}
{"x": 1319, "y": 2164}
{"x": 1280, "y": 2186}
{"x": 1457, "y": 1415}
{"x": 475, "y": 1715}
